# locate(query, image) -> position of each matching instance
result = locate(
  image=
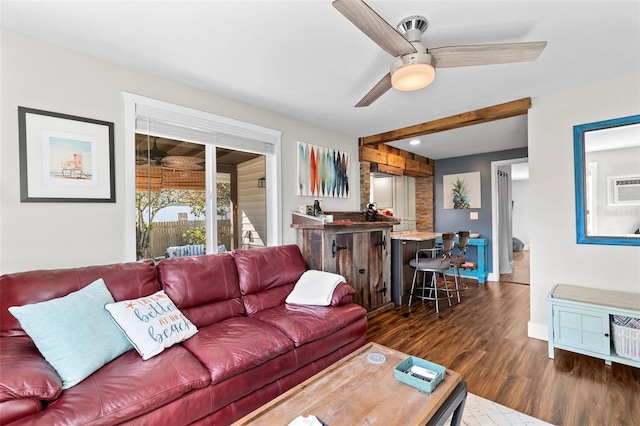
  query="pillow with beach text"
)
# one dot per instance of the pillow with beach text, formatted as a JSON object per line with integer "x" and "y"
{"x": 151, "y": 323}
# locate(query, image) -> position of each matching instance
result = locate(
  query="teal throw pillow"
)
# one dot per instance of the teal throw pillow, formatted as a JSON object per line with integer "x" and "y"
{"x": 74, "y": 333}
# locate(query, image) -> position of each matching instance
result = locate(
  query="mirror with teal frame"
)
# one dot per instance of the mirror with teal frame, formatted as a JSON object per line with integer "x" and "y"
{"x": 607, "y": 174}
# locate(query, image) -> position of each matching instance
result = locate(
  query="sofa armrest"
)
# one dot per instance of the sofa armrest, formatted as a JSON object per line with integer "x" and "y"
{"x": 342, "y": 295}
{"x": 24, "y": 373}
{"x": 16, "y": 409}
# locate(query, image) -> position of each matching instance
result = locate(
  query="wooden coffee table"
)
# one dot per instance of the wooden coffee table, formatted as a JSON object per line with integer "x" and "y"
{"x": 356, "y": 391}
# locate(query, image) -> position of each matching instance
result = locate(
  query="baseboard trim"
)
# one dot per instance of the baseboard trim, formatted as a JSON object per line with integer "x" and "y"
{"x": 493, "y": 277}
{"x": 538, "y": 331}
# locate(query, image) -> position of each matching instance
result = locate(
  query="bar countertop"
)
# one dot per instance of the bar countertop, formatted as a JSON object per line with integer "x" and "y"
{"x": 340, "y": 220}
{"x": 415, "y": 235}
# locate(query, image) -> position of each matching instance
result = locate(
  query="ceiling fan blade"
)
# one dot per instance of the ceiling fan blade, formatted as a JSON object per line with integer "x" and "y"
{"x": 376, "y": 28}
{"x": 378, "y": 90}
{"x": 486, "y": 54}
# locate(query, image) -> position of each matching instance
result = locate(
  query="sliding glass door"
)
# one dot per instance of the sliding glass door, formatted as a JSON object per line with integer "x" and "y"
{"x": 203, "y": 182}
{"x": 172, "y": 207}
{"x": 170, "y": 198}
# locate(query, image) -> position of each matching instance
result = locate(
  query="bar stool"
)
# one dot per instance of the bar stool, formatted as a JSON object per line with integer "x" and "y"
{"x": 458, "y": 259}
{"x": 435, "y": 265}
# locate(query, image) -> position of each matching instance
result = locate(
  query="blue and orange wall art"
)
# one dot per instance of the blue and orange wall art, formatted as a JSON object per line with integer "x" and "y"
{"x": 322, "y": 172}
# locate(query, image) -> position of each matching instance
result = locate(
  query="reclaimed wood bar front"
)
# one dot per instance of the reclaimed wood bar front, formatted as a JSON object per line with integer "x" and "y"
{"x": 350, "y": 246}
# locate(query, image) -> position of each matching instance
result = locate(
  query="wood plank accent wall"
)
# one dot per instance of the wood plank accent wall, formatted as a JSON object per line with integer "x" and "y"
{"x": 394, "y": 161}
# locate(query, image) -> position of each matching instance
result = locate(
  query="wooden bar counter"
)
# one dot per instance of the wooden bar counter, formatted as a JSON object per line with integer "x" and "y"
{"x": 350, "y": 246}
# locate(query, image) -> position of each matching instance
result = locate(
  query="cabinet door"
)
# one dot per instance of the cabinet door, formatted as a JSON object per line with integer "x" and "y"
{"x": 361, "y": 269}
{"x": 346, "y": 260}
{"x": 383, "y": 192}
{"x": 363, "y": 259}
{"x": 583, "y": 329}
{"x": 377, "y": 285}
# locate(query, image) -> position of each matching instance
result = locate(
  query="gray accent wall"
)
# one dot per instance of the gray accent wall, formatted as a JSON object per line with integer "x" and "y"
{"x": 452, "y": 220}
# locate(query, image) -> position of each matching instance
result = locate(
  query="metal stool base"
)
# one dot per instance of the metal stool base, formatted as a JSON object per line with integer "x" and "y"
{"x": 432, "y": 288}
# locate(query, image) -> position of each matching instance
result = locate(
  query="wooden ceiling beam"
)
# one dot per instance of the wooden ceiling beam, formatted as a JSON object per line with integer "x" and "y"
{"x": 395, "y": 161}
{"x": 484, "y": 115}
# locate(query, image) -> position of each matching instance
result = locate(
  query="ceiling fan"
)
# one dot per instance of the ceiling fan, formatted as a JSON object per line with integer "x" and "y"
{"x": 414, "y": 66}
{"x": 155, "y": 153}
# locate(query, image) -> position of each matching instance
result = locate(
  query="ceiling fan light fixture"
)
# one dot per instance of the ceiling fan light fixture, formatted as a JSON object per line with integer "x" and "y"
{"x": 412, "y": 72}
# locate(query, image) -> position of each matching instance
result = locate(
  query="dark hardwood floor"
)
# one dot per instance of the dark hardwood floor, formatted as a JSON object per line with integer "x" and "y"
{"x": 520, "y": 273}
{"x": 485, "y": 339}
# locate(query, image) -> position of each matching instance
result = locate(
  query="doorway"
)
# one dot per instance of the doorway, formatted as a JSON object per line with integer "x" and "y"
{"x": 510, "y": 234}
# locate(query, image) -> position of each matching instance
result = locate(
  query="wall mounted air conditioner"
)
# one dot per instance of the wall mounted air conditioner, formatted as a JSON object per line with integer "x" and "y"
{"x": 624, "y": 190}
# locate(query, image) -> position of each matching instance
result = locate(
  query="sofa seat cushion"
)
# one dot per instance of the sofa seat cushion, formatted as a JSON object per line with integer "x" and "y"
{"x": 24, "y": 373}
{"x": 235, "y": 345}
{"x": 252, "y": 380}
{"x": 126, "y": 388}
{"x": 304, "y": 324}
{"x": 316, "y": 350}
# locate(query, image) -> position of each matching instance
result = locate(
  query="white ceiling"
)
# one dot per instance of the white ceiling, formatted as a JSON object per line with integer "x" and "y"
{"x": 305, "y": 60}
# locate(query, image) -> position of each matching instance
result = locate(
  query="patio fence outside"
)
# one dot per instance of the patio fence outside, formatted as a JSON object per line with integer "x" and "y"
{"x": 169, "y": 234}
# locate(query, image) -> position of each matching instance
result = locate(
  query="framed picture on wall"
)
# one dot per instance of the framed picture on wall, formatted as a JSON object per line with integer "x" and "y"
{"x": 65, "y": 158}
{"x": 461, "y": 191}
{"x": 322, "y": 172}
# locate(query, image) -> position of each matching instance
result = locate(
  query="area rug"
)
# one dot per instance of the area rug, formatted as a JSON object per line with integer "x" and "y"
{"x": 482, "y": 412}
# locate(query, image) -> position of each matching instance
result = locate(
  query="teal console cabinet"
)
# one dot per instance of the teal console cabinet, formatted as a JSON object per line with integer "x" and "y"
{"x": 481, "y": 273}
{"x": 579, "y": 320}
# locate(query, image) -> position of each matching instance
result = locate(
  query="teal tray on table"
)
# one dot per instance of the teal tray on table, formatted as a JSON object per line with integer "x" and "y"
{"x": 400, "y": 372}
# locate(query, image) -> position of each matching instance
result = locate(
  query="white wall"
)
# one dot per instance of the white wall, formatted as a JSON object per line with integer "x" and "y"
{"x": 43, "y": 76}
{"x": 520, "y": 219}
{"x": 556, "y": 258}
{"x": 614, "y": 219}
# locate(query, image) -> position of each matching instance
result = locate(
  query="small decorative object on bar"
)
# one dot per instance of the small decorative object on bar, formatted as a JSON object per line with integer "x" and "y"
{"x": 461, "y": 191}
{"x": 317, "y": 210}
{"x": 322, "y": 171}
{"x": 370, "y": 213}
{"x": 64, "y": 158}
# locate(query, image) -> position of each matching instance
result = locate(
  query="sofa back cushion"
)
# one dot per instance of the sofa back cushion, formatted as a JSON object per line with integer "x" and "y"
{"x": 267, "y": 275}
{"x": 205, "y": 288}
{"x": 124, "y": 281}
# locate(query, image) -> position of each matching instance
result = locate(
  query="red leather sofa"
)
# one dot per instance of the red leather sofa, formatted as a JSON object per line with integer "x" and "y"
{"x": 250, "y": 346}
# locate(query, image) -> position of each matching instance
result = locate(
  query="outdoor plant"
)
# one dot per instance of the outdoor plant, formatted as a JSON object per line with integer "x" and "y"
{"x": 195, "y": 235}
{"x": 149, "y": 203}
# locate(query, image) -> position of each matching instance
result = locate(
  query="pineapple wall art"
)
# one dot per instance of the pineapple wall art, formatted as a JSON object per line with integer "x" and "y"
{"x": 461, "y": 191}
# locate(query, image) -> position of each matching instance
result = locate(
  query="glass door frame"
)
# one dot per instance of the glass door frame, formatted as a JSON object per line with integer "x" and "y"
{"x": 232, "y": 126}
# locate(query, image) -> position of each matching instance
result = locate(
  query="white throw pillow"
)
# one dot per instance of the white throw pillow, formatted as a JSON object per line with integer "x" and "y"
{"x": 151, "y": 323}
